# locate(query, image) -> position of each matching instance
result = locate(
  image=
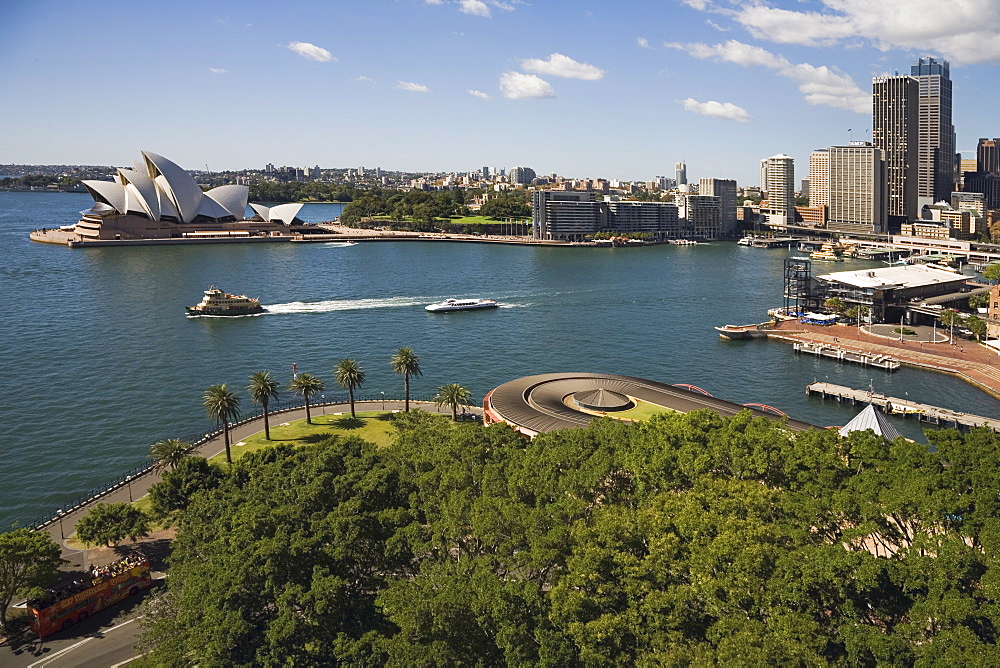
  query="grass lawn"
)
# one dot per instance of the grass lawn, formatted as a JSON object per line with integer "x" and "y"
{"x": 643, "y": 411}
{"x": 372, "y": 426}
{"x": 475, "y": 220}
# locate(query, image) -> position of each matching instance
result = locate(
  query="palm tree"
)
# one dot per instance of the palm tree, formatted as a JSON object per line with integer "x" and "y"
{"x": 169, "y": 452}
{"x": 950, "y": 318}
{"x": 262, "y": 389}
{"x": 453, "y": 395}
{"x": 222, "y": 405}
{"x": 307, "y": 385}
{"x": 348, "y": 374}
{"x": 406, "y": 364}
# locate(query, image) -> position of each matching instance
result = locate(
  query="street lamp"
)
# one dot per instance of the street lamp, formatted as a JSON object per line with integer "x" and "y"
{"x": 322, "y": 399}
{"x": 383, "y": 400}
{"x": 128, "y": 480}
{"x": 60, "y": 514}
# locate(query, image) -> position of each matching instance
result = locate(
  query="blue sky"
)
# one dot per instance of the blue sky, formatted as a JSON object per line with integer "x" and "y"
{"x": 585, "y": 89}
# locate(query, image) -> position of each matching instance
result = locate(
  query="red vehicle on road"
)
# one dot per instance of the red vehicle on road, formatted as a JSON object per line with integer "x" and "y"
{"x": 75, "y": 601}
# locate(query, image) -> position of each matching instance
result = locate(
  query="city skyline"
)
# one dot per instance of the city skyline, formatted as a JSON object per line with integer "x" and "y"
{"x": 619, "y": 91}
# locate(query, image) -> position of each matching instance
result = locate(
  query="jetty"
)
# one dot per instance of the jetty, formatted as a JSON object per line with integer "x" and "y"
{"x": 935, "y": 415}
{"x": 836, "y": 352}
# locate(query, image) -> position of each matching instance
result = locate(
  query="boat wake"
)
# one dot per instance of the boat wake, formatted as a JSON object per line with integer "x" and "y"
{"x": 339, "y": 244}
{"x": 343, "y": 305}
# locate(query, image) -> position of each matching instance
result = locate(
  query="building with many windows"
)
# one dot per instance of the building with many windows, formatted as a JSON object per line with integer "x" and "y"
{"x": 701, "y": 215}
{"x": 725, "y": 190}
{"x": 988, "y": 156}
{"x": 779, "y": 173}
{"x": 895, "y": 130}
{"x": 658, "y": 218}
{"x": 819, "y": 177}
{"x": 936, "y": 134}
{"x": 856, "y": 189}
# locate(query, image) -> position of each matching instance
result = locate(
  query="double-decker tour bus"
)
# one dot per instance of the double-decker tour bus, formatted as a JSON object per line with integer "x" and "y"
{"x": 74, "y": 601}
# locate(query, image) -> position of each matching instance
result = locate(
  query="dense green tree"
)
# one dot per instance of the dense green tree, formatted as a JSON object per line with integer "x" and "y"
{"x": 349, "y": 374}
{"x": 506, "y": 205}
{"x": 976, "y": 325}
{"x": 453, "y": 395}
{"x": 979, "y": 300}
{"x": 992, "y": 272}
{"x": 174, "y": 492}
{"x": 307, "y": 385}
{"x": 169, "y": 452}
{"x": 29, "y": 561}
{"x": 686, "y": 539}
{"x": 222, "y": 405}
{"x": 950, "y": 319}
{"x": 407, "y": 364}
{"x": 835, "y": 304}
{"x": 262, "y": 388}
{"x": 110, "y": 523}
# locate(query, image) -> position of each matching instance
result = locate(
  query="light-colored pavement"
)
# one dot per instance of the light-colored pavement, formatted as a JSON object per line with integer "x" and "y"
{"x": 974, "y": 363}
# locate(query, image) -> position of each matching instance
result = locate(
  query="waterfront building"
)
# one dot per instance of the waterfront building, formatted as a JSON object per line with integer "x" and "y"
{"x": 779, "y": 173}
{"x": 856, "y": 189}
{"x": 819, "y": 177}
{"x": 725, "y": 190}
{"x": 661, "y": 219}
{"x": 810, "y": 216}
{"x": 936, "y": 134}
{"x": 158, "y": 199}
{"x": 701, "y": 215}
{"x": 988, "y": 156}
{"x": 895, "y": 130}
{"x": 680, "y": 173}
{"x": 890, "y": 291}
{"x": 565, "y": 214}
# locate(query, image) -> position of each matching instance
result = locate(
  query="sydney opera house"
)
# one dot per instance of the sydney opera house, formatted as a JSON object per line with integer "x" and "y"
{"x": 157, "y": 199}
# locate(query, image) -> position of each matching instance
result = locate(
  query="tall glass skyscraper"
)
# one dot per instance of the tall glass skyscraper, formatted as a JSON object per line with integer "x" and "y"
{"x": 895, "y": 130}
{"x": 936, "y": 142}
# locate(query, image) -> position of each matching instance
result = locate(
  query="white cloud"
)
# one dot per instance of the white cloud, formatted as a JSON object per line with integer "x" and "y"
{"x": 819, "y": 85}
{"x": 475, "y": 8}
{"x": 963, "y": 31}
{"x": 364, "y": 79}
{"x": 434, "y": 2}
{"x": 478, "y": 93}
{"x": 726, "y": 110}
{"x": 520, "y": 86}
{"x": 642, "y": 41}
{"x": 311, "y": 51}
{"x": 218, "y": 70}
{"x": 559, "y": 65}
{"x": 412, "y": 87}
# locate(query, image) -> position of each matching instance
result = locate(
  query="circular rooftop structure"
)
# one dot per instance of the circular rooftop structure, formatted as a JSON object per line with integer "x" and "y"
{"x": 602, "y": 400}
{"x": 546, "y": 402}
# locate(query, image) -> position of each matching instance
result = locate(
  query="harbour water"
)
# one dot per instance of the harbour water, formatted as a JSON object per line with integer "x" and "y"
{"x": 99, "y": 360}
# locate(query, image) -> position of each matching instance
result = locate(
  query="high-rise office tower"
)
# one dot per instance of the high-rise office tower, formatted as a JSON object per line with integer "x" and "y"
{"x": 725, "y": 190}
{"x": 819, "y": 177}
{"x": 780, "y": 175}
{"x": 988, "y": 156}
{"x": 680, "y": 173}
{"x": 936, "y": 140}
{"x": 895, "y": 130}
{"x": 856, "y": 188}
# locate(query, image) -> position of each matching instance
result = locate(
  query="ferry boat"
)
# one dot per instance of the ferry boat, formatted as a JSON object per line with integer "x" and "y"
{"x": 461, "y": 305}
{"x": 826, "y": 254}
{"x": 217, "y": 302}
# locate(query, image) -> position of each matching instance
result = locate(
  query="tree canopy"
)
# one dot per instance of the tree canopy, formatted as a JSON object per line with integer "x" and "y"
{"x": 109, "y": 523}
{"x": 29, "y": 560}
{"x": 690, "y": 538}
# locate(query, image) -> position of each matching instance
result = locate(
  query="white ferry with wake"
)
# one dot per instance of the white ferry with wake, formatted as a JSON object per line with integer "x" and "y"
{"x": 217, "y": 302}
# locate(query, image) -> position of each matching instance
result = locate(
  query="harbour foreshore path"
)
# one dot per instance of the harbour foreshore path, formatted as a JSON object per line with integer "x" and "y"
{"x": 969, "y": 360}
{"x": 61, "y": 527}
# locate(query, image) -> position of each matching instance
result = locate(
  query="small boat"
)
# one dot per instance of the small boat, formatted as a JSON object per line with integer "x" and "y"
{"x": 745, "y": 241}
{"x": 217, "y": 302}
{"x": 461, "y": 305}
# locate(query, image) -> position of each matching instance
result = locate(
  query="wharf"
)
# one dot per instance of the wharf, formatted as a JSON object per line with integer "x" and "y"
{"x": 772, "y": 242}
{"x": 923, "y": 412}
{"x": 844, "y": 355}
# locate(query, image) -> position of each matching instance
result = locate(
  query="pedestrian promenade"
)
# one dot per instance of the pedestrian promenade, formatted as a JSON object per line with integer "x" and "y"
{"x": 62, "y": 526}
{"x": 969, "y": 360}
